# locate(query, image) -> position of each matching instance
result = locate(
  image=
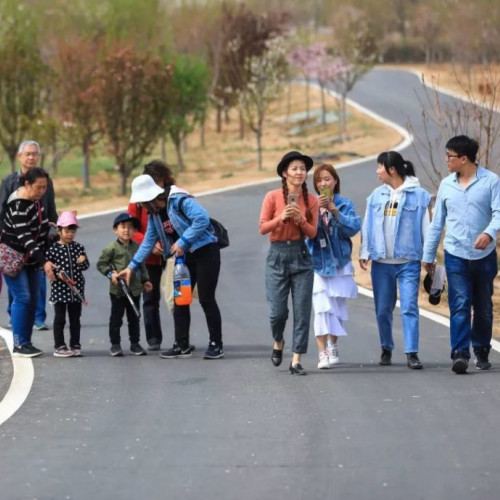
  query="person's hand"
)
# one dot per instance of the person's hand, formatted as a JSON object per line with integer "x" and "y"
{"x": 324, "y": 201}
{"x": 48, "y": 268}
{"x": 147, "y": 286}
{"x": 287, "y": 213}
{"x": 429, "y": 267}
{"x": 296, "y": 214}
{"x": 157, "y": 249}
{"x": 126, "y": 274}
{"x": 81, "y": 259}
{"x": 333, "y": 209}
{"x": 176, "y": 250}
{"x": 363, "y": 264}
{"x": 482, "y": 241}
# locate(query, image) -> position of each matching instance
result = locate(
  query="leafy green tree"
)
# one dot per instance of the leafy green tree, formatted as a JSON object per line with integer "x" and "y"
{"x": 24, "y": 79}
{"x": 188, "y": 100}
{"x": 132, "y": 97}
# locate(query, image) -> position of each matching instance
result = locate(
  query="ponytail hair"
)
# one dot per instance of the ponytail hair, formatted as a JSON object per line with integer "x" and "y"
{"x": 390, "y": 159}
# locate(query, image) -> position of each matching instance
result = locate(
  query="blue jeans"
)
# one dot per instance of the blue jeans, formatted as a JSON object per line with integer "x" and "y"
{"x": 25, "y": 288}
{"x": 470, "y": 288}
{"x": 385, "y": 279}
{"x": 40, "y": 312}
{"x": 289, "y": 267}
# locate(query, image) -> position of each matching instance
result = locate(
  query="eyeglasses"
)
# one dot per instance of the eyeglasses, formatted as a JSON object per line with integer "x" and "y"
{"x": 32, "y": 155}
{"x": 448, "y": 156}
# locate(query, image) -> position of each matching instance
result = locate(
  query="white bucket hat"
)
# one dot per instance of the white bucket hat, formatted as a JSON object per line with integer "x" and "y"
{"x": 144, "y": 188}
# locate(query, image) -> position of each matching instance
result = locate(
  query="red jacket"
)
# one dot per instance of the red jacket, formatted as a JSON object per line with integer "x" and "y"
{"x": 140, "y": 213}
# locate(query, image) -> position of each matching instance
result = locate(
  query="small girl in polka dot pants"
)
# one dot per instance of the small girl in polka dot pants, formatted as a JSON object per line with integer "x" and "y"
{"x": 68, "y": 255}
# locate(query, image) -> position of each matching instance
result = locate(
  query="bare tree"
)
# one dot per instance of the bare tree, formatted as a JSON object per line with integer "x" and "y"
{"x": 476, "y": 115}
{"x": 266, "y": 74}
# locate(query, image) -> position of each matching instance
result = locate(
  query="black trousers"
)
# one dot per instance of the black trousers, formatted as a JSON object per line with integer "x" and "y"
{"x": 204, "y": 267}
{"x": 120, "y": 305}
{"x": 151, "y": 306}
{"x": 74, "y": 312}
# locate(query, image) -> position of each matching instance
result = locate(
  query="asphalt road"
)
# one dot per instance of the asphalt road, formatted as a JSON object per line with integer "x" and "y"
{"x": 144, "y": 427}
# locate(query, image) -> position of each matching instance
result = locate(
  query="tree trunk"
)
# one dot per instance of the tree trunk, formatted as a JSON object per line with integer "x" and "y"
{"x": 323, "y": 106}
{"x": 163, "y": 149}
{"x": 86, "y": 163}
{"x": 202, "y": 132}
{"x": 124, "y": 176}
{"x": 258, "y": 135}
{"x": 12, "y": 161}
{"x": 178, "y": 150}
{"x": 307, "y": 98}
{"x": 219, "y": 119}
{"x": 242, "y": 124}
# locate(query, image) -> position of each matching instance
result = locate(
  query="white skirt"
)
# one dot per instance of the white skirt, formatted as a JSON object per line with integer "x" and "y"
{"x": 329, "y": 301}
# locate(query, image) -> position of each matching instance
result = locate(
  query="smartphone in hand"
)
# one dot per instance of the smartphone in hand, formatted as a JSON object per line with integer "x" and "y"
{"x": 325, "y": 192}
{"x": 292, "y": 198}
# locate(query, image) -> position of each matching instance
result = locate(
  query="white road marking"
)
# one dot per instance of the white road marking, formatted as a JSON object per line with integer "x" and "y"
{"x": 21, "y": 383}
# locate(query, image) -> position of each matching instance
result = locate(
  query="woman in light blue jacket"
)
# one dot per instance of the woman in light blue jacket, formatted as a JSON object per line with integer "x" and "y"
{"x": 179, "y": 225}
{"x": 392, "y": 236}
{"x": 333, "y": 270}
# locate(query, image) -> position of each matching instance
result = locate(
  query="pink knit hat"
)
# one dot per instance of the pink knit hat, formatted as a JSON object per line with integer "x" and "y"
{"x": 67, "y": 219}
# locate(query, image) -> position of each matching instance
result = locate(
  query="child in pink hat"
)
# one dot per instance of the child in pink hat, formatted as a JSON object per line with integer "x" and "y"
{"x": 69, "y": 260}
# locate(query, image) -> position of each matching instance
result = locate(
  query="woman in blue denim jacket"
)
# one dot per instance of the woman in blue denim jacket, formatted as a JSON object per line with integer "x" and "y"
{"x": 179, "y": 225}
{"x": 333, "y": 270}
{"x": 392, "y": 236}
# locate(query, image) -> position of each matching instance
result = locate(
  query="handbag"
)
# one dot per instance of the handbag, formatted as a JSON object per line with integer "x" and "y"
{"x": 11, "y": 261}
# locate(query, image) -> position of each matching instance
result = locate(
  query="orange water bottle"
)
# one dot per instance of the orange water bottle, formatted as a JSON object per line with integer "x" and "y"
{"x": 183, "y": 295}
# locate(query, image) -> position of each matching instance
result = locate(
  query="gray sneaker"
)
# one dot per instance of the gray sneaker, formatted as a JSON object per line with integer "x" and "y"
{"x": 116, "y": 351}
{"x": 137, "y": 350}
{"x": 41, "y": 327}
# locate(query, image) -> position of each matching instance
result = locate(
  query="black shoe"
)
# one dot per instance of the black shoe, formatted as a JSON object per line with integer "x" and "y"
{"x": 177, "y": 352}
{"x": 460, "y": 364}
{"x": 214, "y": 351}
{"x": 481, "y": 358}
{"x": 154, "y": 347}
{"x": 413, "y": 361}
{"x": 296, "y": 369}
{"x": 137, "y": 350}
{"x": 385, "y": 357}
{"x": 277, "y": 355}
{"x": 26, "y": 351}
{"x": 116, "y": 351}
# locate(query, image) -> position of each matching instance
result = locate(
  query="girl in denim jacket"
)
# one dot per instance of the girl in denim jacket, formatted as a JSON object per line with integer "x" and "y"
{"x": 333, "y": 269}
{"x": 396, "y": 218}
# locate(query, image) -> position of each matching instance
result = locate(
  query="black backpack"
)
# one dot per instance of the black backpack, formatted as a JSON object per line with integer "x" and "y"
{"x": 217, "y": 227}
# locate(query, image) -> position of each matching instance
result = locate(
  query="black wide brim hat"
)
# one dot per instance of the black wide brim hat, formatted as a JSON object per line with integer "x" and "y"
{"x": 289, "y": 157}
{"x": 434, "y": 298}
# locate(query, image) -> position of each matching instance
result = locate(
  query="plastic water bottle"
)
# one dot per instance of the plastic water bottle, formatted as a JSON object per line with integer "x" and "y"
{"x": 183, "y": 295}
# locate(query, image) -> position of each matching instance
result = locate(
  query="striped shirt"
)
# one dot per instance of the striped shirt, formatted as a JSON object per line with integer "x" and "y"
{"x": 25, "y": 228}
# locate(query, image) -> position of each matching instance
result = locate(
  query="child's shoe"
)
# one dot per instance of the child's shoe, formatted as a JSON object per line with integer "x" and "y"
{"x": 77, "y": 351}
{"x": 137, "y": 350}
{"x": 63, "y": 352}
{"x": 333, "y": 354}
{"x": 323, "y": 361}
{"x": 116, "y": 351}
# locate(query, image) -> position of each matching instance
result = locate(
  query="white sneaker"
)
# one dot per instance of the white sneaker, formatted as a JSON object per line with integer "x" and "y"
{"x": 323, "y": 361}
{"x": 333, "y": 354}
